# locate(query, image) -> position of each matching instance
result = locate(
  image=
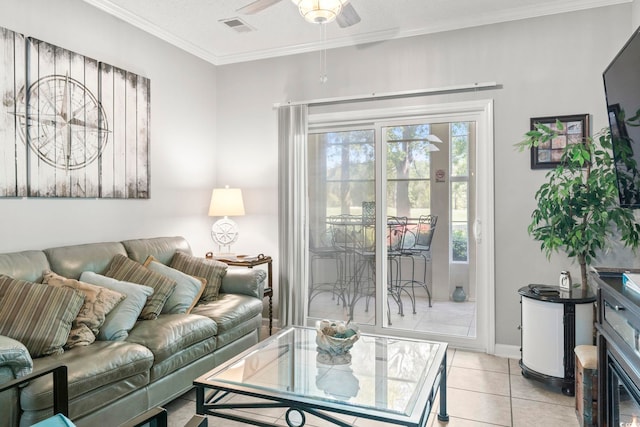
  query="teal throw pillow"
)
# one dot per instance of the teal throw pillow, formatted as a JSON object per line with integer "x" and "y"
{"x": 188, "y": 288}
{"x": 123, "y": 317}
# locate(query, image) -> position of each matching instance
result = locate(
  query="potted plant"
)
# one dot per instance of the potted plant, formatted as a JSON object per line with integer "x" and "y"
{"x": 577, "y": 208}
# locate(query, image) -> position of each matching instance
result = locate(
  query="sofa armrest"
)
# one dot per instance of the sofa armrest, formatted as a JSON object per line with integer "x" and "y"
{"x": 14, "y": 354}
{"x": 60, "y": 386}
{"x": 245, "y": 281}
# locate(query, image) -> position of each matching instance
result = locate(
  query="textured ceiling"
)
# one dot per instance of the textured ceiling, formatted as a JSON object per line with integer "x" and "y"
{"x": 195, "y": 25}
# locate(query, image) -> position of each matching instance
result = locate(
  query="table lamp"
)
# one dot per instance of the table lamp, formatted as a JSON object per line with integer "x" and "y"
{"x": 225, "y": 202}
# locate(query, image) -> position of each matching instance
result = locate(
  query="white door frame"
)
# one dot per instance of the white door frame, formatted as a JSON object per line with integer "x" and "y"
{"x": 481, "y": 112}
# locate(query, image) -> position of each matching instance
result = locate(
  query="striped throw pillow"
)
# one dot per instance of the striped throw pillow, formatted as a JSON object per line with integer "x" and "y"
{"x": 211, "y": 270}
{"x": 125, "y": 269}
{"x": 37, "y": 315}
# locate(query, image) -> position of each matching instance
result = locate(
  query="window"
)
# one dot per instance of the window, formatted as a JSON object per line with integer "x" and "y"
{"x": 459, "y": 179}
{"x": 409, "y": 169}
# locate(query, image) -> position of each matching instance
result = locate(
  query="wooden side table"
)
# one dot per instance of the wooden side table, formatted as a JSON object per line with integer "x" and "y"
{"x": 250, "y": 263}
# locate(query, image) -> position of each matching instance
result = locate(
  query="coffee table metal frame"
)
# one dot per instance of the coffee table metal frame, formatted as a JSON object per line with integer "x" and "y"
{"x": 212, "y": 402}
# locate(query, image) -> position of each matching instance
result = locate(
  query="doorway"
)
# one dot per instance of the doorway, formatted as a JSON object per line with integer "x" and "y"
{"x": 395, "y": 224}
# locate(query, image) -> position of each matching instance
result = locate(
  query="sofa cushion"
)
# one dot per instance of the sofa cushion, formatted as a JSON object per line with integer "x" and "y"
{"x": 188, "y": 288}
{"x": 246, "y": 281}
{"x": 170, "y": 333}
{"x": 161, "y": 248}
{"x": 39, "y": 316}
{"x": 101, "y": 365}
{"x": 98, "y": 302}
{"x": 229, "y": 310}
{"x": 122, "y": 318}
{"x": 27, "y": 265}
{"x": 213, "y": 271}
{"x": 71, "y": 261}
{"x": 123, "y": 268}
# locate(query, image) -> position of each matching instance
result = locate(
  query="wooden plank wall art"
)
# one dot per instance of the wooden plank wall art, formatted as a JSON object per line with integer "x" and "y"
{"x": 70, "y": 126}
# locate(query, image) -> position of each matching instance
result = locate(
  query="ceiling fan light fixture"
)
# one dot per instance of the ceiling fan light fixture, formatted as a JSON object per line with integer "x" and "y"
{"x": 320, "y": 11}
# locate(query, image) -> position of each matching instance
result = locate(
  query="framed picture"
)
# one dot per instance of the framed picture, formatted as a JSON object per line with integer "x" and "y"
{"x": 548, "y": 155}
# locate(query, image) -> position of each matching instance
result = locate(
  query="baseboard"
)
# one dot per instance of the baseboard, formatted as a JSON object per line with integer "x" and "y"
{"x": 265, "y": 323}
{"x": 510, "y": 351}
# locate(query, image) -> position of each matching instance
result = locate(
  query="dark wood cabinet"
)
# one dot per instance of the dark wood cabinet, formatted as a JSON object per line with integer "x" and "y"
{"x": 551, "y": 327}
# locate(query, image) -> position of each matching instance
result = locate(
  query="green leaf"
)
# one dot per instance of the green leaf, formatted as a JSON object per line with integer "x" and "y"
{"x": 577, "y": 209}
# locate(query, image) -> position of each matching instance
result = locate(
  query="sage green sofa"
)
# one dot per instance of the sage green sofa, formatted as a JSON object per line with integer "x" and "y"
{"x": 111, "y": 382}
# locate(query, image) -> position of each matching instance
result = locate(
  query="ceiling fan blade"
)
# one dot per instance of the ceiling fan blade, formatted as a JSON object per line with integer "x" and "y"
{"x": 348, "y": 16}
{"x": 256, "y": 6}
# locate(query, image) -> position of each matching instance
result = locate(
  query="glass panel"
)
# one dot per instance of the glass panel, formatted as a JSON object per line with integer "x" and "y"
{"x": 341, "y": 226}
{"x": 408, "y": 169}
{"x": 460, "y": 149}
{"x": 385, "y": 374}
{"x": 426, "y": 177}
{"x": 622, "y": 326}
{"x": 459, "y": 221}
{"x": 624, "y": 397}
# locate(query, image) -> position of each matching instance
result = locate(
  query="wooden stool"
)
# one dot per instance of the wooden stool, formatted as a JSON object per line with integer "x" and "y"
{"x": 587, "y": 384}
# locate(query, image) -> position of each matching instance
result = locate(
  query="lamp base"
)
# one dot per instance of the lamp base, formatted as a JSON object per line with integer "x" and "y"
{"x": 224, "y": 232}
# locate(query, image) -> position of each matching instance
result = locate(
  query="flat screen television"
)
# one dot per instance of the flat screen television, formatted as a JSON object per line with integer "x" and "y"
{"x": 622, "y": 89}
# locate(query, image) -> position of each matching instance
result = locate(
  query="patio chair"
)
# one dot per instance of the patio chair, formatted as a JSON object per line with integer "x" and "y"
{"x": 418, "y": 245}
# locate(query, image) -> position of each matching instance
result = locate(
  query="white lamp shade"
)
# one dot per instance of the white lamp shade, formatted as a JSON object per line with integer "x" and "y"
{"x": 320, "y": 11}
{"x": 226, "y": 202}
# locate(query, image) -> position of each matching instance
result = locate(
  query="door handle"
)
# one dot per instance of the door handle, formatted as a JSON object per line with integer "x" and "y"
{"x": 477, "y": 230}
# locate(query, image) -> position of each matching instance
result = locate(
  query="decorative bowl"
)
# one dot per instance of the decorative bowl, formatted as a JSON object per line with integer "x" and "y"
{"x": 336, "y": 337}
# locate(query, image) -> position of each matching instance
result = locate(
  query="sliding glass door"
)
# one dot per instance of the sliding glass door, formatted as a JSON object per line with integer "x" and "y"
{"x": 393, "y": 223}
{"x": 342, "y": 251}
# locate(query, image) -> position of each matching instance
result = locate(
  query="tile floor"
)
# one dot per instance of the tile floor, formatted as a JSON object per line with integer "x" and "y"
{"x": 483, "y": 390}
{"x": 453, "y": 318}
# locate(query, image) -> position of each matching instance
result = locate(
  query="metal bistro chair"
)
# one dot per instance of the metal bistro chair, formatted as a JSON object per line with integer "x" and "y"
{"x": 347, "y": 235}
{"x": 367, "y": 252}
{"x": 396, "y": 229}
{"x": 418, "y": 245}
{"x": 322, "y": 257}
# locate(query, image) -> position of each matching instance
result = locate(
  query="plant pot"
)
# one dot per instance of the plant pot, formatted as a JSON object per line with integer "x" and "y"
{"x": 458, "y": 294}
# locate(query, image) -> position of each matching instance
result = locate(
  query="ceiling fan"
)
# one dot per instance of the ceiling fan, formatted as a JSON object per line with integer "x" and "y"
{"x": 315, "y": 11}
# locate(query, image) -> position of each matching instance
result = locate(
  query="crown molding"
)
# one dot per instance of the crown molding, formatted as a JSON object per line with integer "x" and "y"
{"x": 148, "y": 27}
{"x": 374, "y": 37}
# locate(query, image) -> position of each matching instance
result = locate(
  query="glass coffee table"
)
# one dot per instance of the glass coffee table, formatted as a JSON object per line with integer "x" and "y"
{"x": 391, "y": 380}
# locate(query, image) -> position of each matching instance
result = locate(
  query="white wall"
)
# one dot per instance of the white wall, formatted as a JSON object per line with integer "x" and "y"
{"x": 635, "y": 13}
{"x": 547, "y": 66}
{"x": 214, "y": 127}
{"x": 183, "y": 121}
